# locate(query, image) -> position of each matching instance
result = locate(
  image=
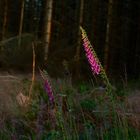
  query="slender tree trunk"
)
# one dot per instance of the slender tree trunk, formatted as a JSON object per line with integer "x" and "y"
{"x": 79, "y": 32}
{"x": 4, "y": 19}
{"x": 21, "y": 21}
{"x": 31, "y": 15}
{"x": 47, "y": 26}
{"x": 77, "y": 55}
{"x": 106, "y": 51}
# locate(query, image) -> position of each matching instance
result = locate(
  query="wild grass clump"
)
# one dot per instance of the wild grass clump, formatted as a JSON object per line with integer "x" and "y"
{"x": 74, "y": 116}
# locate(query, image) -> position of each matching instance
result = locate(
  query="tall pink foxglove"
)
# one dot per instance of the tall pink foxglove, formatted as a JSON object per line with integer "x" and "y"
{"x": 90, "y": 54}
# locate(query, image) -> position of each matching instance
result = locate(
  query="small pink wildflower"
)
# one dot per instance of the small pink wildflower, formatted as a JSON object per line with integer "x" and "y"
{"x": 47, "y": 86}
{"x": 48, "y": 89}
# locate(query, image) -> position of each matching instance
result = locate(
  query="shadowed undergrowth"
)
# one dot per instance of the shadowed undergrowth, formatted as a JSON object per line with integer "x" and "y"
{"x": 81, "y": 112}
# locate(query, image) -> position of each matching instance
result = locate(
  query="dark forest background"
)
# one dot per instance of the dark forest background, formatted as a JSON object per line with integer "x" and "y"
{"x": 113, "y": 27}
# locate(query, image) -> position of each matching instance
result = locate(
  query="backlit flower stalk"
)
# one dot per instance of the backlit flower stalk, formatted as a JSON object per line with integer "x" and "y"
{"x": 48, "y": 89}
{"x": 47, "y": 86}
{"x": 93, "y": 60}
{"x": 95, "y": 66}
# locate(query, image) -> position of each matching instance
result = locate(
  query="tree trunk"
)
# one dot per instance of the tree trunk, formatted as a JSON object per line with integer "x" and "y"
{"x": 79, "y": 31}
{"x": 31, "y": 16}
{"x": 106, "y": 51}
{"x": 21, "y": 21}
{"x": 47, "y": 26}
{"x": 77, "y": 55}
{"x": 4, "y": 19}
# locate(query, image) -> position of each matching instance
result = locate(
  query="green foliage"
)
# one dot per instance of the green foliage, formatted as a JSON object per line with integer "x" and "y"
{"x": 88, "y": 104}
{"x": 83, "y": 87}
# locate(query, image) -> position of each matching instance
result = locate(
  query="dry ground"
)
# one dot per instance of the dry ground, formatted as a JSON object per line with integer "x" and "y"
{"x": 10, "y": 87}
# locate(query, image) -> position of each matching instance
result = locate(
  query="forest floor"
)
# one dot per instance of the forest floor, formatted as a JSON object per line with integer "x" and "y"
{"x": 11, "y": 85}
